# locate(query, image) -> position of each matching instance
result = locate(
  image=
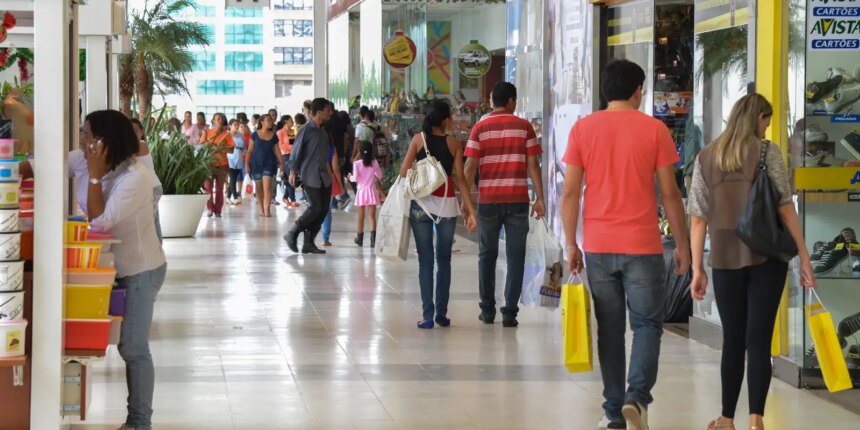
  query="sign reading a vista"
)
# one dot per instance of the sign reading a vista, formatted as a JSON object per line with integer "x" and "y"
{"x": 833, "y": 25}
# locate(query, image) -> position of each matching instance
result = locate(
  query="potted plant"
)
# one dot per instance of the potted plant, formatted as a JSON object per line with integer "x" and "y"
{"x": 182, "y": 170}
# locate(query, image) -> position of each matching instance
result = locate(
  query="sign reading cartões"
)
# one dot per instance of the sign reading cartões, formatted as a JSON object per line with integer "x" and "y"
{"x": 833, "y": 25}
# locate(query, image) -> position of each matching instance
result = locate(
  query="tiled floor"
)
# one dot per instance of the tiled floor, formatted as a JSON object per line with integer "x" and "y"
{"x": 249, "y": 336}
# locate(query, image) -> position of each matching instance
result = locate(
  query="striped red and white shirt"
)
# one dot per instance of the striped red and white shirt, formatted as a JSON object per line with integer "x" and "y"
{"x": 503, "y": 142}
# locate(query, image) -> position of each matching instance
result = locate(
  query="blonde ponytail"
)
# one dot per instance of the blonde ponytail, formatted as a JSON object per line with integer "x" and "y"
{"x": 741, "y": 130}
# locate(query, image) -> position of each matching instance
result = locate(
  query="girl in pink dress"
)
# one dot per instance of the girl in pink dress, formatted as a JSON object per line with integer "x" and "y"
{"x": 366, "y": 173}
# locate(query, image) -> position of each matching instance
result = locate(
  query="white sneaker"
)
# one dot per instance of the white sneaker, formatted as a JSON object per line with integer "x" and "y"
{"x": 606, "y": 424}
{"x": 815, "y": 134}
{"x": 843, "y": 98}
{"x": 846, "y": 77}
{"x": 636, "y": 416}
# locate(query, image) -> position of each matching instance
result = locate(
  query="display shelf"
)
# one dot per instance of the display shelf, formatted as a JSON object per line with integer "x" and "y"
{"x": 86, "y": 353}
{"x": 13, "y": 361}
{"x": 827, "y": 178}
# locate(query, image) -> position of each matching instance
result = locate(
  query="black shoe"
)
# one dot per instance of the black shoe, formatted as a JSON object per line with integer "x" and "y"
{"x": 510, "y": 322}
{"x": 373, "y": 239}
{"x": 359, "y": 239}
{"x": 312, "y": 249}
{"x": 486, "y": 319}
{"x": 816, "y": 91}
{"x": 292, "y": 239}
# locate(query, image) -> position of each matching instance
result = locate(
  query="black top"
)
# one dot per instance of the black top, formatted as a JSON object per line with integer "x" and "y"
{"x": 438, "y": 146}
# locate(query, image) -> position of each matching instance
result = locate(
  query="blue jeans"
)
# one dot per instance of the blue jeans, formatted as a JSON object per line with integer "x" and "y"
{"x": 326, "y": 225}
{"x": 422, "y": 227}
{"x": 289, "y": 191}
{"x": 621, "y": 282}
{"x": 514, "y": 217}
{"x": 141, "y": 290}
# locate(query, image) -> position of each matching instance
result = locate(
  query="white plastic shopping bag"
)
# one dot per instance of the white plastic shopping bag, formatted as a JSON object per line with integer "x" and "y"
{"x": 544, "y": 263}
{"x": 392, "y": 238}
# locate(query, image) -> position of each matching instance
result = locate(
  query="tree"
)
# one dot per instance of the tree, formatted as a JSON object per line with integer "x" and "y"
{"x": 159, "y": 58}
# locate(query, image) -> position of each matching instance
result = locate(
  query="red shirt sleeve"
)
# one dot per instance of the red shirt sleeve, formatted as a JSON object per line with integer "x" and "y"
{"x": 667, "y": 154}
{"x": 573, "y": 153}
{"x": 533, "y": 147}
{"x": 473, "y": 147}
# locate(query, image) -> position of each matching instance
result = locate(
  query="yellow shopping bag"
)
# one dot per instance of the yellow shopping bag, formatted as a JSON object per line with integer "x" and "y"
{"x": 827, "y": 348}
{"x": 576, "y": 326}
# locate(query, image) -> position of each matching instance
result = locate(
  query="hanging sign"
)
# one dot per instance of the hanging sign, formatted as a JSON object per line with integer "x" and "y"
{"x": 399, "y": 51}
{"x": 832, "y": 26}
{"x": 474, "y": 60}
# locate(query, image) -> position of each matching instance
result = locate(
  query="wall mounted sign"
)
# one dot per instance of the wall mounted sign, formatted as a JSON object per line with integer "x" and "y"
{"x": 474, "y": 60}
{"x": 832, "y": 26}
{"x": 399, "y": 51}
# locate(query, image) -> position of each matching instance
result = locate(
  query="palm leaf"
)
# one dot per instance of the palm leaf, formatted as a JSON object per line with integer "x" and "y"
{"x": 181, "y": 168}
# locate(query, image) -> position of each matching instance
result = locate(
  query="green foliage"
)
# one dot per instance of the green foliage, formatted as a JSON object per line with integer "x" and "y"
{"x": 181, "y": 168}
{"x": 82, "y": 65}
{"x": 722, "y": 50}
{"x": 26, "y": 89}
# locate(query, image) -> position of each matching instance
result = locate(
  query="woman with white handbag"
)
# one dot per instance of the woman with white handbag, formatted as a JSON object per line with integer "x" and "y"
{"x": 433, "y": 167}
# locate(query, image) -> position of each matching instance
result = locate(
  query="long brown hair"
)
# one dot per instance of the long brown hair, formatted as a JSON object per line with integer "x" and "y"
{"x": 741, "y": 130}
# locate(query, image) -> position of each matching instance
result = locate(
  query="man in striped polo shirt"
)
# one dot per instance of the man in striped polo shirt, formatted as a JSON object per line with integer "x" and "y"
{"x": 505, "y": 151}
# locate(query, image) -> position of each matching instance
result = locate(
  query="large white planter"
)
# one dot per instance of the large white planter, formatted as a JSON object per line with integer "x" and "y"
{"x": 181, "y": 214}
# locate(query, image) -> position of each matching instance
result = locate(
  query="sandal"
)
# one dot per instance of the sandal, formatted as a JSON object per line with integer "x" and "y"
{"x": 716, "y": 425}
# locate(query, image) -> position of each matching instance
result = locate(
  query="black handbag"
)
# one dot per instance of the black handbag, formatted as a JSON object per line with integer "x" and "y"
{"x": 759, "y": 226}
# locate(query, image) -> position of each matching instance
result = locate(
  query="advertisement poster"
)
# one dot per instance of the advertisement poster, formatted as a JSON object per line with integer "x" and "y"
{"x": 399, "y": 51}
{"x": 672, "y": 103}
{"x": 833, "y": 75}
{"x": 439, "y": 56}
{"x": 569, "y": 96}
{"x": 474, "y": 60}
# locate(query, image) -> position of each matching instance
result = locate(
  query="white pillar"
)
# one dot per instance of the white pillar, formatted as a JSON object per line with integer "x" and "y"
{"x": 320, "y": 48}
{"x": 97, "y": 74}
{"x": 51, "y": 106}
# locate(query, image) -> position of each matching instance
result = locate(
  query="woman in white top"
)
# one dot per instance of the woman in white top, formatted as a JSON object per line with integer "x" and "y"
{"x": 114, "y": 190}
{"x": 145, "y": 158}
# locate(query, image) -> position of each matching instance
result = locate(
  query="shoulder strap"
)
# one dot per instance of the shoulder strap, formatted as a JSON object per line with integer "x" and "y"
{"x": 762, "y": 161}
{"x": 424, "y": 141}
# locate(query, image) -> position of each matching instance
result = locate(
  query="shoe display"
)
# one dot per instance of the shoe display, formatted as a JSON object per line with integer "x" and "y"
{"x": 636, "y": 416}
{"x": 851, "y": 142}
{"x": 843, "y": 98}
{"x": 846, "y": 77}
{"x": 836, "y": 251}
{"x": 814, "y": 133}
{"x": 817, "y": 250}
{"x": 847, "y": 328}
{"x": 855, "y": 263}
{"x": 817, "y": 91}
{"x": 853, "y": 354}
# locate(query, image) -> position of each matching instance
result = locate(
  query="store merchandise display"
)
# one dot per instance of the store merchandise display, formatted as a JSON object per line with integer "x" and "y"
{"x": 838, "y": 92}
{"x": 88, "y": 289}
{"x": 827, "y": 257}
{"x": 814, "y": 133}
{"x": 13, "y": 325}
{"x": 851, "y": 142}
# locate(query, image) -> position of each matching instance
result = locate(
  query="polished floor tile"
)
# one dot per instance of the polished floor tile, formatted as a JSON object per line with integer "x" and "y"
{"x": 247, "y": 335}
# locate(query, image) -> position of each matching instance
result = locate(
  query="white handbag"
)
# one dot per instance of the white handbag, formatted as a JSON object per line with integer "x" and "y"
{"x": 425, "y": 176}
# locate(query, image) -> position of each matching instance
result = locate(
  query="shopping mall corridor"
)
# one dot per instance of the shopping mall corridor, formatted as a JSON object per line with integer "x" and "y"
{"x": 249, "y": 336}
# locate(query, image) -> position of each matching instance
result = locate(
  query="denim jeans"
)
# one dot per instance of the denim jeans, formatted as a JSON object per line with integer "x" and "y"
{"x": 289, "y": 191}
{"x": 234, "y": 185}
{"x": 157, "y": 192}
{"x": 514, "y": 217}
{"x": 141, "y": 290}
{"x": 621, "y": 282}
{"x": 422, "y": 227}
{"x": 326, "y": 225}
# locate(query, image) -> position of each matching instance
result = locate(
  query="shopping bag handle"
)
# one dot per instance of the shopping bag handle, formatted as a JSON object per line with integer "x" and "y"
{"x": 812, "y": 293}
{"x": 573, "y": 277}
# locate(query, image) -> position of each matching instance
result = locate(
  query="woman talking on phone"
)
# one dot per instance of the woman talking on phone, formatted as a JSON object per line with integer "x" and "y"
{"x": 114, "y": 190}
{"x": 747, "y": 286}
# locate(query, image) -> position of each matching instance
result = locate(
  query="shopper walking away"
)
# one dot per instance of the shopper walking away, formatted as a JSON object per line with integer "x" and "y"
{"x": 286, "y": 136}
{"x": 622, "y": 245}
{"x": 366, "y": 175}
{"x": 264, "y": 158}
{"x": 507, "y": 152}
{"x": 236, "y": 163}
{"x": 438, "y": 212}
{"x": 310, "y": 161}
{"x": 197, "y": 130}
{"x": 115, "y": 192}
{"x": 219, "y": 138}
{"x": 336, "y": 188}
{"x": 747, "y": 286}
{"x": 144, "y": 157}
{"x": 372, "y": 132}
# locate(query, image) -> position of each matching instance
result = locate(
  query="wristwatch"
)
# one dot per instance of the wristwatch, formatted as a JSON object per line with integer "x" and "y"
{"x": 95, "y": 181}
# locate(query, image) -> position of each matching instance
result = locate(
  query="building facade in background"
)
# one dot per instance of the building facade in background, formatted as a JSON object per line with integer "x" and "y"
{"x": 258, "y": 58}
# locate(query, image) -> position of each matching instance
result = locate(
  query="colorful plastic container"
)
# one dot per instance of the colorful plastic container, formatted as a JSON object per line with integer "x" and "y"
{"x": 87, "y": 301}
{"x": 8, "y": 220}
{"x": 26, "y": 199}
{"x": 117, "y": 302}
{"x": 90, "y": 276}
{"x": 7, "y": 149}
{"x": 11, "y": 275}
{"x": 76, "y": 232}
{"x": 10, "y": 246}
{"x": 13, "y": 335}
{"x": 83, "y": 255}
{"x": 12, "y": 306}
{"x": 9, "y": 195}
{"x": 9, "y": 171}
{"x": 87, "y": 334}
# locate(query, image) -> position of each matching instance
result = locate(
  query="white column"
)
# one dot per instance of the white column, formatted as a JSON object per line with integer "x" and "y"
{"x": 97, "y": 74}
{"x": 320, "y": 48}
{"x": 52, "y": 106}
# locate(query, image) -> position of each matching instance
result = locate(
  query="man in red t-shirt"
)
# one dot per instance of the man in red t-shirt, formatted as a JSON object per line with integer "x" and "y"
{"x": 619, "y": 151}
{"x": 507, "y": 152}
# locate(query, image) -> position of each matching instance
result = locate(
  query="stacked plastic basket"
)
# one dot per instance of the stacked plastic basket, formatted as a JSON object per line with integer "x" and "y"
{"x": 13, "y": 325}
{"x": 89, "y": 296}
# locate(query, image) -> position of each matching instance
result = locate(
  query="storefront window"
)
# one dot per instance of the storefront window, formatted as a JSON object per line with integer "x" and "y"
{"x": 630, "y": 36}
{"x": 338, "y": 63}
{"x": 371, "y": 47}
{"x": 525, "y": 46}
{"x": 412, "y": 20}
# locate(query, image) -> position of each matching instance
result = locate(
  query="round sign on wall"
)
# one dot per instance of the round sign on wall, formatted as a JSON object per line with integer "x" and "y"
{"x": 399, "y": 51}
{"x": 474, "y": 60}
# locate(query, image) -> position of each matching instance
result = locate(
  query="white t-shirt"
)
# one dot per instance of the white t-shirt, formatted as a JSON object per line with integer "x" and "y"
{"x": 147, "y": 162}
